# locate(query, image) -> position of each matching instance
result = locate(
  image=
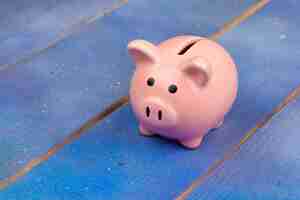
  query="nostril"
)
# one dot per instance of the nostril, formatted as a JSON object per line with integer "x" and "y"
{"x": 148, "y": 111}
{"x": 159, "y": 115}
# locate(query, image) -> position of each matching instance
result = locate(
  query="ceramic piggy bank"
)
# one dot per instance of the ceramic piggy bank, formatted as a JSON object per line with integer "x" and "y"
{"x": 182, "y": 87}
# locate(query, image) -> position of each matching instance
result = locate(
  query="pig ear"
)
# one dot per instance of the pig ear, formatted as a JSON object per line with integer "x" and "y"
{"x": 142, "y": 52}
{"x": 198, "y": 70}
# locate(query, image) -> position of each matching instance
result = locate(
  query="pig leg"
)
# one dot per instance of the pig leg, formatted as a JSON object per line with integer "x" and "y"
{"x": 145, "y": 131}
{"x": 192, "y": 143}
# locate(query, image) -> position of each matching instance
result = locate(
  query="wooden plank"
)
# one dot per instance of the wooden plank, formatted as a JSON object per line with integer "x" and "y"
{"x": 30, "y": 26}
{"x": 267, "y": 167}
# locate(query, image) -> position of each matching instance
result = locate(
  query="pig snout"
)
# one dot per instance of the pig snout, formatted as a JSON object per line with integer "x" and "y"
{"x": 159, "y": 113}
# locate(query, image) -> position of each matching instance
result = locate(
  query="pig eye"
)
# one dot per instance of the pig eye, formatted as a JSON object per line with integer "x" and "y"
{"x": 172, "y": 88}
{"x": 150, "y": 81}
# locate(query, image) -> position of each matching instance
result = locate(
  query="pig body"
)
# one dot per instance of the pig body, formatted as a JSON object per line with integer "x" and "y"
{"x": 182, "y": 87}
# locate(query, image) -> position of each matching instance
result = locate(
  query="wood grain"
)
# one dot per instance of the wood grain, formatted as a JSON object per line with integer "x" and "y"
{"x": 73, "y": 28}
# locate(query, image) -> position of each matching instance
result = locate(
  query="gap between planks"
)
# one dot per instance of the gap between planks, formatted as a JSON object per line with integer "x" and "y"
{"x": 71, "y": 29}
{"x": 67, "y": 140}
{"x": 125, "y": 99}
{"x": 230, "y": 154}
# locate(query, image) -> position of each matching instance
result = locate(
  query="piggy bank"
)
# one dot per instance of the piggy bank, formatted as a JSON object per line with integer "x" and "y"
{"x": 182, "y": 87}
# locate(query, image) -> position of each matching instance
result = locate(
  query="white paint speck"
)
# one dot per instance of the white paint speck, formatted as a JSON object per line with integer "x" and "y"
{"x": 67, "y": 187}
{"x": 282, "y": 36}
{"x": 39, "y": 179}
{"x": 86, "y": 188}
{"x": 116, "y": 84}
{"x": 20, "y": 162}
{"x": 18, "y": 124}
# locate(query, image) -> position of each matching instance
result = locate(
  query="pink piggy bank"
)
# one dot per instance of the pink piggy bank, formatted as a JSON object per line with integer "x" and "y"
{"x": 182, "y": 87}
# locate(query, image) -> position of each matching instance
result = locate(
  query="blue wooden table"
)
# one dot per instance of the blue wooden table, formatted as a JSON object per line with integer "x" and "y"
{"x": 64, "y": 62}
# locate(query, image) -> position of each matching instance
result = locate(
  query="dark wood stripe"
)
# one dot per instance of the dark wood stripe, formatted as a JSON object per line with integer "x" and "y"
{"x": 73, "y": 28}
{"x": 228, "y": 155}
{"x": 239, "y": 19}
{"x": 70, "y": 138}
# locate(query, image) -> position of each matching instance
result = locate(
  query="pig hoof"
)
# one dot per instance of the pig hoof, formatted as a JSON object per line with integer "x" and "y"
{"x": 192, "y": 144}
{"x": 145, "y": 132}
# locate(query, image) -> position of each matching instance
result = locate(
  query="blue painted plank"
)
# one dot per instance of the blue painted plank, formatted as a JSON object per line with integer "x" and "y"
{"x": 30, "y": 25}
{"x": 43, "y": 101}
{"x": 266, "y": 168}
{"x": 113, "y": 162}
